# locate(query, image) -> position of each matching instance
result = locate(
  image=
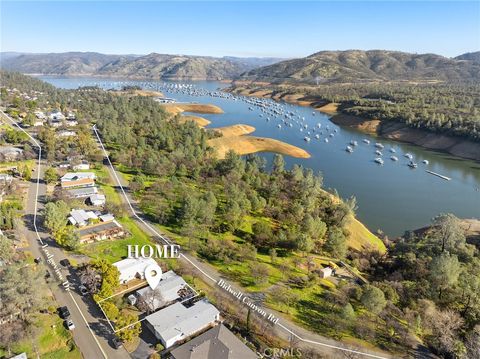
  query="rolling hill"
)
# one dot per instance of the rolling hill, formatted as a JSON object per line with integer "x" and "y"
{"x": 152, "y": 66}
{"x": 366, "y": 66}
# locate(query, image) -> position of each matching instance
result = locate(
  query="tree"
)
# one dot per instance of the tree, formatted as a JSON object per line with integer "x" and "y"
{"x": 25, "y": 171}
{"x": 373, "y": 299}
{"x": 7, "y": 252}
{"x": 447, "y": 233}
{"x": 50, "y": 175}
{"x": 348, "y": 313}
{"x": 130, "y": 330}
{"x": 111, "y": 310}
{"x": 336, "y": 243}
{"x": 262, "y": 234}
{"x": 259, "y": 272}
{"x": 305, "y": 243}
{"x": 285, "y": 295}
{"x": 273, "y": 255}
{"x": 110, "y": 278}
{"x": 278, "y": 164}
{"x": 150, "y": 300}
{"x": 69, "y": 239}
{"x": 444, "y": 272}
{"x": 55, "y": 218}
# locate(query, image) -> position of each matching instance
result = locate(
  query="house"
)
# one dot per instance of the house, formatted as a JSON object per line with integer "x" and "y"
{"x": 10, "y": 153}
{"x": 78, "y": 179}
{"x": 131, "y": 268}
{"x": 5, "y": 178}
{"x": 216, "y": 343}
{"x": 97, "y": 199}
{"x": 20, "y": 356}
{"x": 100, "y": 231}
{"x": 71, "y": 123}
{"x": 326, "y": 272}
{"x": 80, "y": 217}
{"x": 66, "y": 133}
{"x": 55, "y": 123}
{"x": 38, "y": 123}
{"x": 56, "y": 115}
{"x": 40, "y": 115}
{"x": 82, "y": 192}
{"x": 177, "y": 322}
{"x": 169, "y": 289}
{"x": 84, "y": 165}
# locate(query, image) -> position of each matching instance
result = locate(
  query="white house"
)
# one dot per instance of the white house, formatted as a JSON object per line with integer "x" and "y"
{"x": 169, "y": 289}
{"x": 71, "y": 123}
{"x": 80, "y": 217}
{"x": 176, "y": 322}
{"x": 84, "y": 165}
{"x": 97, "y": 199}
{"x": 56, "y": 115}
{"x": 78, "y": 179}
{"x": 131, "y": 268}
{"x": 326, "y": 272}
{"x": 10, "y": 153}
{"x": 82, "y": 192}
{"x": 66, "y": 133}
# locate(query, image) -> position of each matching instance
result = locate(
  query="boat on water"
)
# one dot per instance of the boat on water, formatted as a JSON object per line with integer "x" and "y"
{"x": 366, "y": 141}
{"x": 412, "y": 164}
{"x": 425, "y": 162}
{"x": 379, "y": 161}
{"x": 331, "y": 135}
{"x": 392, "y": 150}
{"x": 317, "y": 136}
{"x": 354, "y": 143}
{"x": 279, "y": 126}
{"x": 326, "y": 140}
{"x": 394, "y": 158}
{"x": 306, "y": 138}
{"x": 379, "y": 145}
{"x": 409, "y": 156}
{"x": 378, "y": 153}
{"x": 319, "y": 125}
{"x": 349, "y": 149}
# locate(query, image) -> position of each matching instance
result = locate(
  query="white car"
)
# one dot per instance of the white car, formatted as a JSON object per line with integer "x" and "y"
{"x": 70, "y": 324}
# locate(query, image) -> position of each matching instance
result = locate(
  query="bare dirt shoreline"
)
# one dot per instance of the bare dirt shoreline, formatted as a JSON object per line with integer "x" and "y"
{"x": 396, "y": 131}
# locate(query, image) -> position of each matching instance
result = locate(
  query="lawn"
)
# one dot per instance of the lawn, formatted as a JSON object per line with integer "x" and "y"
{"x": 54, "y": 341}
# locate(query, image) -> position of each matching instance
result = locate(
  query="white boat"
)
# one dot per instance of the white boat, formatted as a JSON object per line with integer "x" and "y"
{"x": 349, "y": 149}
{"x": 279, "y": 126}
{"x": 394, "y": 158}
{"x": 331, "y": 135}
{"x": 408, "y": 155}
{"x": 379, "y": 161}
{"x": 378, "y": 153}
{"x": 392, "y": 150}
{"x": 306, "y": 138}
{"x": 425, "y": 162}
{"x": 412, "y": 164}
{"x": 366, "y": 141}
{"x": 319, "y": 125}
{"x": 354, "y": 143}
{"x": 317, "y": 136}
{"x": 326, "y": 140}
{"x": 379, "y": 145}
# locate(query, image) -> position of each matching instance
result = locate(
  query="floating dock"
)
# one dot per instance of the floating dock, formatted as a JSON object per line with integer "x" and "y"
{"x": 438, "y": 175}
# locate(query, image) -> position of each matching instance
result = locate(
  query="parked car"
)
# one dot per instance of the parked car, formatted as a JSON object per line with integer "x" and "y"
{"x": 69, "y": 324}
{"x": 83, "y": 290}
{"x": 37, "y": 260}
{"x": 117, "y": 343}
{"x": 63, "y": 312}
{"x": 65, "y": 262}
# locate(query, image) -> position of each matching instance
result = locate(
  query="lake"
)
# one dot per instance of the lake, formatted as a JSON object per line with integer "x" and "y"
{"x": 392, "y": 197}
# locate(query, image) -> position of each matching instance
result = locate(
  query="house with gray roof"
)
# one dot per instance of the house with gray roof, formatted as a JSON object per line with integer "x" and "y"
{"x": 168, "y": 290}
{"x": 177, "y": 322}
{"x": 216, "y": 343}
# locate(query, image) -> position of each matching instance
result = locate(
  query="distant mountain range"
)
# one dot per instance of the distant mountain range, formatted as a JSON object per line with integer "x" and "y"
{"x": 367, "y": 66}
{"x": 152, "y": 66}
{"x": 321, "y": 67}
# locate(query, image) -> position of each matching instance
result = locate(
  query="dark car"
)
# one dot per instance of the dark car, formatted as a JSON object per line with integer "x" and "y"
{"x": 65, "y": 262}
{"x": 37, "y": 260}
{"x": 63, "y": 312}
{"x": 117, "y": 343}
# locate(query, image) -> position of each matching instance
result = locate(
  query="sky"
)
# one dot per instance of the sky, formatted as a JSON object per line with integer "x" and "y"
{"x": 240, "y": 28}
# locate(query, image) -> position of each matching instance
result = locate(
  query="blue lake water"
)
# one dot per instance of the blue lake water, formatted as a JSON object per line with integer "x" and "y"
{"x": 392, "y": 197}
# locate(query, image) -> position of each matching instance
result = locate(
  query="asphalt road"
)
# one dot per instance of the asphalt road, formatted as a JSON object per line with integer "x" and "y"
{"x": 91, "y": 334}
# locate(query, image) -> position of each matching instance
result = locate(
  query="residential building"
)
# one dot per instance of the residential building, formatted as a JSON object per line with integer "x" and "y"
{"x": 169, "y": 289}
{"x": 131, "y": 268}
{"x": 177, "y": 322}
{"x": 82, "y": 192}
{"x": 97, "y": 199}
{"x": 216, "y": 343}
{"x": 66, "y": 133}
{"x": 10, "y": 153}
{"x": 80, "y": 217}
{"x": 56, "y": 115}
{"x": 326, "y": 272}
{"x": 84, "y": 165}
{"x": 78, "y": 179}
{"x": 101, "y": 231}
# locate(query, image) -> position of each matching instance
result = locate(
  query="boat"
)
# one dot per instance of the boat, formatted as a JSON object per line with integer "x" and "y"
{"x": 349, "y": 149}
{"x": 392, "y": 150}
{"x": 331, "y": 135}
{"x": 306, "y": 138}
{"x": 379, "y": 161}
{"x": 379, "y": 145}
{"x": 394, "y": 158}
{"x": 326, "y": 140}
{"x": 317, "y": 136}
{"x": 319, "y": 125}
{"x": 409, "y": 156}
{"x": 378, "y": 153}
{"x": 366, "y": 141}
{"x": 354, "y": 143}
{"x": 412, "y": 164}
{"x": 279, "y": 126}
{"x": 425, "y": 162}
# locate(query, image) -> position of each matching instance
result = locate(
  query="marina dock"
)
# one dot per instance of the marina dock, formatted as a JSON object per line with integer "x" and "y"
{"x": 438, "y": 175}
